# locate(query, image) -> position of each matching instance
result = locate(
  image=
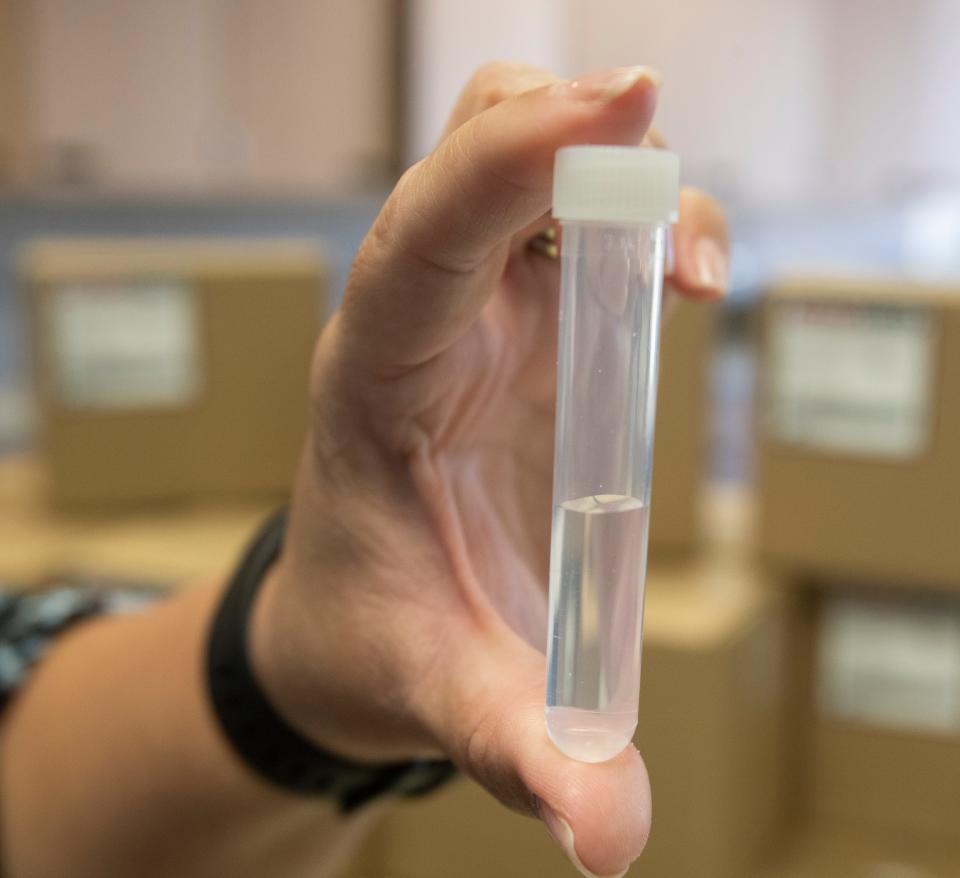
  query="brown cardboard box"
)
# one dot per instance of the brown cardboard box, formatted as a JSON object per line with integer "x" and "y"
{"x": 710, "y": 732}
{"x": 172, "y": 369}
{"x": 166, "y": 545}
{"x": 893, "y": 782}
{"x": 825, "y": 851}
{"x": 683, "y": 409}
{"x": 859, "y": 430}
{"x": 885, "y": 739}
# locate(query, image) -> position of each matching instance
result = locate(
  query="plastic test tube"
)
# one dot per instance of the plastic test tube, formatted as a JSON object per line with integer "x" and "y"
{"x": 615, "y": 205}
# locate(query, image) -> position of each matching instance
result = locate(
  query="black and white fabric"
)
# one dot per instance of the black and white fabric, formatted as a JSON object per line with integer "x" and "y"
{"x": 31, "y": 621}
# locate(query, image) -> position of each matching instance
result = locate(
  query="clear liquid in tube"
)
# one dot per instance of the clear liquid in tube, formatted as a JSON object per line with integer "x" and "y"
{"x": 598, "y": 566}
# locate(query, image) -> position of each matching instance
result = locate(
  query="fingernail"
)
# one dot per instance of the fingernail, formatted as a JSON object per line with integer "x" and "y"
{"x": 669, "y": 256}
{"x": 711, "y": 264}
{"x": 610, "y": 84}
{"x": 563, "y": 836}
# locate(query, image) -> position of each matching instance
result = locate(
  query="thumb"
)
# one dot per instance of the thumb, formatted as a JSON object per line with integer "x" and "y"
{"x": 492, "y": 724}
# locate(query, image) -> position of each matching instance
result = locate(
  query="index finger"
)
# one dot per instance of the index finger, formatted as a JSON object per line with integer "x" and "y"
{"x": 435, "y": 251}
{"x": 493, "y": 83}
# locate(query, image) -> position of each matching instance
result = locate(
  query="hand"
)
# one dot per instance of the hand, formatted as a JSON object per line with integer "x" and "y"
{"x": 408, "y": 611}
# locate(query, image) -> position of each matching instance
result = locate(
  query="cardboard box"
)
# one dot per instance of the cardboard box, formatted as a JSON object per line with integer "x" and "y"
{"x": 893, "y": 782}
{"x": 712, "y": 720}
{"x": 683, "y": 411}
{"x": 172, "y": 369}
{"x": 825, "y": 851}
{"x": 168, "y": 545}
{"x": 885, "y": 739}
{"x": 859, "y": 430}
{"x": 711, "y": 732}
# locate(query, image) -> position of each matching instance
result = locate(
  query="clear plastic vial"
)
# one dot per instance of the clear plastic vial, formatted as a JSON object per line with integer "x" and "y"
{"x": 615, "y": 205}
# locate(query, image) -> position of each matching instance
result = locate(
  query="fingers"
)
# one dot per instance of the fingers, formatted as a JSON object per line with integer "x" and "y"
{"x": 654, "y": 138}
{"x": 493, "y": 725}
{"x": 701, "y": 244}
{"x": 494, "y": 83}
{"x": 433, "y": 255}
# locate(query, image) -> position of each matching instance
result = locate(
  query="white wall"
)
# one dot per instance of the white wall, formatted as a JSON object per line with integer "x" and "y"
{"x": 743, "y": 80}
{"x": 743, "y": 83}
{"x": 894, "y": 109}
{"x": 769, "y": 102}
{"x": 449, "y": 39}
{"x": 795, "y": 100}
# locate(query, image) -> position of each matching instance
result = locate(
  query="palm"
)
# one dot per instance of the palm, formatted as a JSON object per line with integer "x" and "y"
{"x": 490, "y": 423}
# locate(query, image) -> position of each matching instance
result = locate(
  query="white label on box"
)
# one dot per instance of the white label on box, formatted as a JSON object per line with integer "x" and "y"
{"x": 890, "y": 663}
{"x": 124, "y": 345}
{"x": 850, "y": 377}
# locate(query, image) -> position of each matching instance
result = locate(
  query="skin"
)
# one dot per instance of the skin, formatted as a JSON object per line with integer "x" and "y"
{"x": 405, "y": 615}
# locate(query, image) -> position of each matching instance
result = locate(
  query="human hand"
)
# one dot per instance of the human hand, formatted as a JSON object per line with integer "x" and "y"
{"x": 407, "y": 614}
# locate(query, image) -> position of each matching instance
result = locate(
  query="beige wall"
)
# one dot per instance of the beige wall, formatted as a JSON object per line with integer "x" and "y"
{"x": 309, "y": 87}
{"x": 128, "y": 81}
{"x": 14, "y": 117}
{"x": 768, "y": 102}
{"x": 194, "y": 94}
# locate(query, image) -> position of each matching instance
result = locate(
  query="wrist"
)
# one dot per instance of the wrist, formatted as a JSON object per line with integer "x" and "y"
{"x": 315, "y": 676}
{"x": 260, "y": 734}
{"x": 284, "y": 661}
{"x": 324, "y": 652}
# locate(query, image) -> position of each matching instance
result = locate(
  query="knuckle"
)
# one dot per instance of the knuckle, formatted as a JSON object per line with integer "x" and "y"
{"x": 489, "y": 73}
{"x": 695, "y": 204}
{"x": 496, "y": 81}
{"x": 479, "y": 746}
{"x": 487, "y": 85}
{"x": 382, "y": 233}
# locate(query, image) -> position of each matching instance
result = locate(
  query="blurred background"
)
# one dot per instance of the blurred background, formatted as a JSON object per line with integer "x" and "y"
{"x": 182, "y": 187}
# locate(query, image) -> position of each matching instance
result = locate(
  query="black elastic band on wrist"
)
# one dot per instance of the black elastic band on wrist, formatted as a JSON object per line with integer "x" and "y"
{"x": 263, "y": 739}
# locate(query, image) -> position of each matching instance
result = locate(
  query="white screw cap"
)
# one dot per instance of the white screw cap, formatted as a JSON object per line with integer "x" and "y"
{"x": 618, "y": 184}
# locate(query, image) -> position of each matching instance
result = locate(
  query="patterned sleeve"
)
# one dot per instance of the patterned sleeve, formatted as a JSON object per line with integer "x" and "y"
{"x": 31, "y": 621}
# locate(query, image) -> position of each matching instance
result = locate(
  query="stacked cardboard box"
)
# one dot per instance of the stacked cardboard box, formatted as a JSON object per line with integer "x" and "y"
{"x": 877, "y": 699}
{"x": 823, "y": 852}
{"x": 886, "y": 719}
{"x": 169, "y": 369}
{"x": 859, "y": 490}
{"x": 683, "y": 411}
{"x": 859, "y": 430}
{"x": 172, "y": 369}
{"x": 170, "y": 545}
